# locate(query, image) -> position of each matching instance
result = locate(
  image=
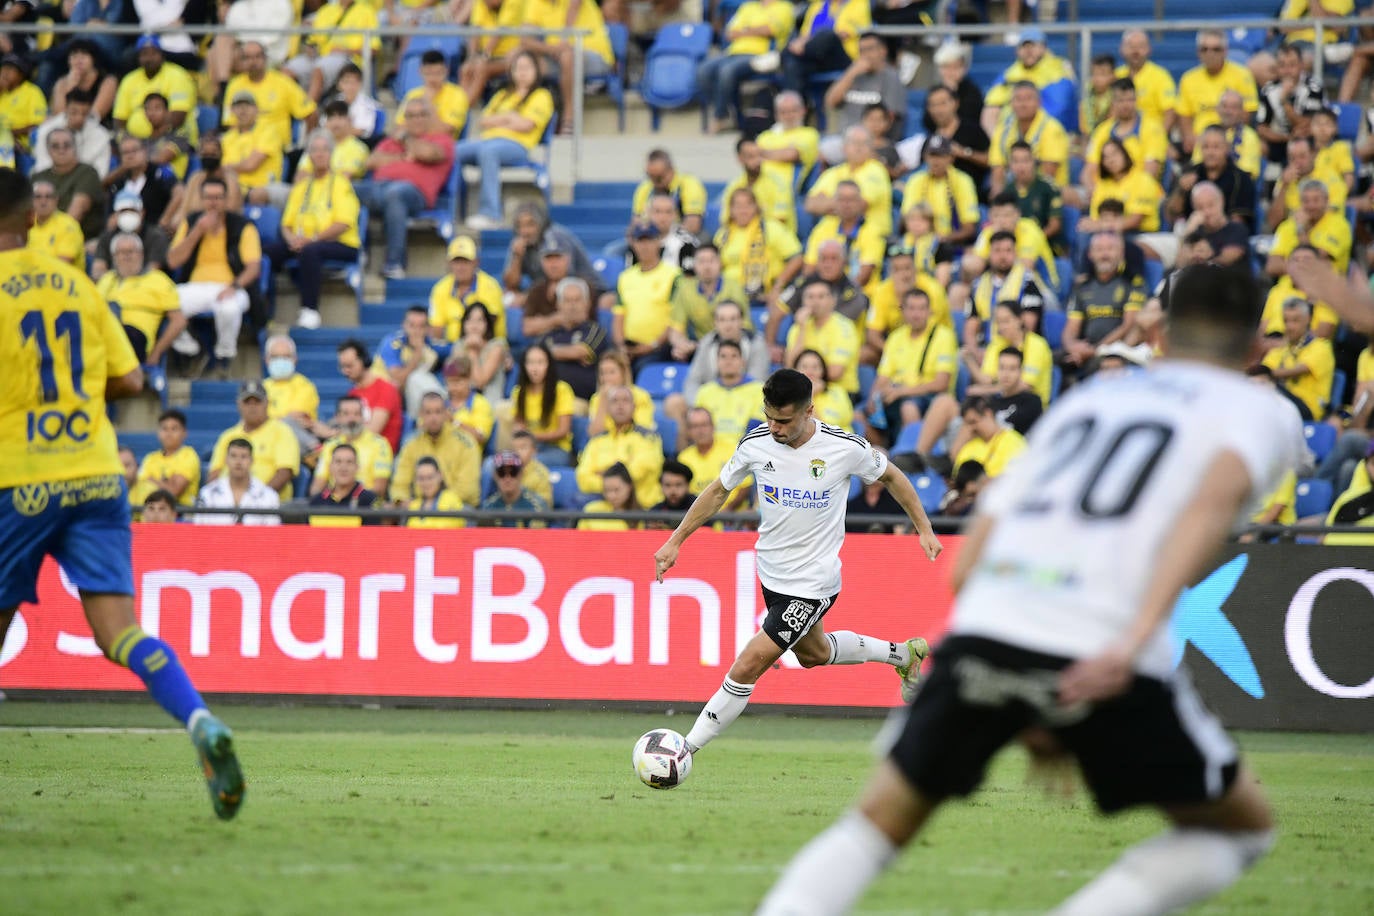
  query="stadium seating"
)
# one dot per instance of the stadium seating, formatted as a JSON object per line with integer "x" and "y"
{"x": 1314, "y": 497}
{"x": 1321, "y": 439}
{"x": 614, "y": 81}
{"x": 661, "y": 379}
{"x": 534, "y": 170}
{"x": 670, "y": 68}
{"x": 930, "y": 489}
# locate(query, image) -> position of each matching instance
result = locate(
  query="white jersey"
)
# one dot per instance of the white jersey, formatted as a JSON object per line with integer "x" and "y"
{"x": 218, "y": 495}
{"x": 802, "y": 496}
{"x": 1084, "y": 511}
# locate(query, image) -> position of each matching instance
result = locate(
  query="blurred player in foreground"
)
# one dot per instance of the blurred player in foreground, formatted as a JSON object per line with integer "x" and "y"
{"x": 1064, "y": 587}
{"x": 63, "y": 354}
{"x": 803, "y": 468}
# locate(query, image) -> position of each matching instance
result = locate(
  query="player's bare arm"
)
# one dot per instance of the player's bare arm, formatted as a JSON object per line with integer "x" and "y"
{"x": 1201, "y": 529}
{"x": 707, "y": 504}
{"x": 1351, "y": 298}
{"x": 901, "y": 489}
{"x": 124, "y": 386}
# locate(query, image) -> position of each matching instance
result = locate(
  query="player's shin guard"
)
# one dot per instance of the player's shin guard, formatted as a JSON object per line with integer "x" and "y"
{"x": 831, "y": 872}
{"x": 156, "y": 665}
{"x": 721, "y": 710}
{"x": 1168, "y": 872}
{"x": 850, "y": 648}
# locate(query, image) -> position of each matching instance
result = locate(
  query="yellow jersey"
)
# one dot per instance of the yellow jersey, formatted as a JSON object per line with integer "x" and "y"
{"x": 22, "y": 109}
{"x": 1336, "y": 159}
{"x": 1046, "y": 137}
{"x": 732, "y": 408}
{"x": 1137, "y": 190}
{"x": 602, "y": 524}
{"x": 1336, "y": 191}
{"x": 171, "y": 82}
{"x": 775, "y": 197}
{"x": 212, "y": 264}
{"x": 477, "y": 413}
{"x": 59, "y": 346}
{"x": 688, "y": 193}
{"x": 564, "y": 405}
{"x": 1247, "y": 150}
{"x": 863, "y": 245}
{"x": 460, "y": 463}
{"x": 509, "y": 15}
{"x": 993, "y": 454}
{"x": 779, "y": 17}
{"x": 448, "y": 501}
{"x": 911, "y": 358}
{"x": 1364, "y": 369}
{"x": 537, "y": 107}
{"x": 1199, "y": 92}
{"x": 754, "y": 255}
{"x": 331, "y": 18}
{"x": 834, "y": 407}
{"x": 279, "y": 98}
{"x": 1330, "y": 234}
{"x": 874, "y": 184}
{"x": 348, "y": 159}
{"x": 1144, "y": 140}
{"x": 646, "y": 301}
{"x": 260, "y": 138}
{"x": 60, "y": 236}
{"x": 1032, "y": 249}
{"x": 885, "y": 306}
{"x": 296, "y": 394}
{"x": 1155, "y": 92}
{"x": 446, "y": 307}
{"x": 1037, "y": 363}
{"x": 1313, "y": 387}
{"x": 450, "y": 104}
{"x": 142, "y": 301}
{"x": 1271, "y": 321}
{"x": 274, "y": 447}
{"x": 837, "y": 341}
{"x": 315, "y": 205}
{"x": 953, "y": 200}
{"x": 805, "y": 140}
{"x": 1048, "y": 70}
{"x": 1302, "y": 9}
{"x": 184, "y": 462}
{"x": 643, "y": 416}
{"x": 555, "y": 16}
{"x": 1286, "y": 495}
{"x": 640, "y": 450}
{"x": 706, "y": 465}
{"x": 374, "y": 459}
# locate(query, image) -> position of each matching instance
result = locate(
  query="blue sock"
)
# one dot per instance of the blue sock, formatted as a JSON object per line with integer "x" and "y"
{"x": 156, "y": 665}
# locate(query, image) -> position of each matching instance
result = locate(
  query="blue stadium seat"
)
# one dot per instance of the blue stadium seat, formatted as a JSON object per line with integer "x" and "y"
{"x": 440, "y": 216}
{"x": 1154, "y": 275}
{"x": 408, "y": 76}
{"x": 1056, "y": 382}
{"x": 962, "y": 382}
{"x": 1337, "y": 389}
{"x": 670, "y": 67}
{"x": 580, "y": 432}
{"x": 667, "y": 433}
{"x": 1321, "y": 439}
{"x": 1064, "y": 268}
{"x": 1347, "y": 120}
{"x": 450, "y": 45}
{"x": 915, "y": 109}
{"x": 515, "y": 319}
{"x": 1314, "y": 497}
{"x": 566, "y": 495}
{"x": 906, "y": 439}
{"x": 608, "y": 268}
{"x": 662, "y": 379}
{"x": 930, "y": 489}
{"x": 1052, "y": 327}
{"x": 868, "y": 377}
{"x": 614, "y": 81}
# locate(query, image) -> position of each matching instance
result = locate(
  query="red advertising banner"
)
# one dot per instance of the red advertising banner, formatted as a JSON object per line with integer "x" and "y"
{"x": 491, "y": 613}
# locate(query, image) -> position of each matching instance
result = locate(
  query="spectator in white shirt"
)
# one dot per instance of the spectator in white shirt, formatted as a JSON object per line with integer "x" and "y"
{"x": 92, "y": 140}
{"x": 237, "y": 488}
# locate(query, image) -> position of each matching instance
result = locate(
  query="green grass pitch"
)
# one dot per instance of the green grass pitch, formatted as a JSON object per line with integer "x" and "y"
{"x": 477, "y": 812}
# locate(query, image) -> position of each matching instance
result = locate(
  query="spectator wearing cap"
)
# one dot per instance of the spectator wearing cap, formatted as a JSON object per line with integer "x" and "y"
{"x": 326, "y": 51}
{"x": 156, "y": 185}
{"x": 466, "y": 285}
{"x": 1035, "y": 64}
{"x": 92, "y": 140}
{"x": 291, "y": 397}
{"x": 54, "y": 232}
{"x": 143, "y": 297}
{"x": 253, "y": 151}
{"x": 511, "y": 126}
{"x": 471, "y": 410}
{"x": 408, "y": 171}
{"x": 524, "y": 268}
{"x": 864, "y": 244}
{"x": 276, "y": 454}
{"x": 373, "y": 455}
{"x": 237, "y": 488}
{"x": 220, "y": 255}
{"x": 85, "y": 71}
{"x": 1026, "y": 121}
{"x": 383, "y": 399}
{"x": 154, "y": 74}
{"x": 511, "y": 495}
{"x": 278, "y": 97}
{"x": 409, "y": 359}
{"x": 80, "y": 193}
{"x": 458, "y": 456}
{"x": 175, "y": 466}
{"x": 643, "y": 313}
{"x": 22, "y": 104}
{"x": 579, "y": 341}
{"x": 432, "y": 495}
{"x": 541, "y": 300}
{"x": 450, "y": 102}
{"x": 345, "y": 490}
{"x": 319, "y": 224}
{"x": 128, "y": 217}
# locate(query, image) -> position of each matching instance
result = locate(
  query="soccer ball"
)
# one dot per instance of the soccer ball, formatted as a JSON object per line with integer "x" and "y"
{"x": 661, "y": 759}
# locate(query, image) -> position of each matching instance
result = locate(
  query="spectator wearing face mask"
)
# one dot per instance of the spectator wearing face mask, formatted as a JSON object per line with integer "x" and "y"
{"x": 291, "y": 397}
{"x": 128, "y": 218}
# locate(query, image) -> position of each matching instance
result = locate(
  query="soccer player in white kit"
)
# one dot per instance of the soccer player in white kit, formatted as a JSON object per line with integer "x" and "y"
{"x": 802, "y": 468}
{"x": 1068, "y": 575}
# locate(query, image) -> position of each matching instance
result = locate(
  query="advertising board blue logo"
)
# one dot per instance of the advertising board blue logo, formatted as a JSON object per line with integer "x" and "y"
{"x": 1198, "y": 619}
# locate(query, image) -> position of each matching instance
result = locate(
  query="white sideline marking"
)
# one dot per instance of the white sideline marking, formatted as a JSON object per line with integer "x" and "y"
{"x": 90, "y": 730}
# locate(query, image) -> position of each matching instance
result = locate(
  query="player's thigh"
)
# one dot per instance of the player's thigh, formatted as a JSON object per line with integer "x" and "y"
{"x": 1243, "y": 807}
{"x": 968, "y": 708}
{"x": 1156, "y": 744}
{"x": 95, "y": 544}
{"x": 892, "y": 804}
{"x": 30, "y": 517}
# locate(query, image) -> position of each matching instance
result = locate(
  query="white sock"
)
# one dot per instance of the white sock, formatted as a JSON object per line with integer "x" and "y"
{"x": 721, "y": 710}
{"x": 831, "y": 872}
{"x": 1168, "y": 872}
{"x": 849, "y": 648}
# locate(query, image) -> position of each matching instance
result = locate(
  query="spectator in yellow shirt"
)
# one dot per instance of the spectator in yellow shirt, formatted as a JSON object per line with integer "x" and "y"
{"x": 1124, "y": 180}
{"x": 279, "y": 98}
{"x": 949, "y": 194}
{"x": 487, "y": 54}
{"x": 432, "y": 495}
{"x": 291, "y": 397}
{"x": 885, "y": 305}
{"x": 465, "y": 285}
{"x": 154, "y": 74}
{"x": 556, "y": 52}
{"x": 375, "y": 456}
{"x": 790, "y": 148}
{"x": 992, "y": 445}
{"x": 687, "y": 191}
{"x": 175, "y": 466}
{"x": 860, "y": 167}
{"x": 1029, "y": 123}
{"x": 276, "y": 452}
{"x": 734, "y": 399}
{"x": 818, "y": 327}
{"x": 472, "y": 412}
{"x": 643, "y": 313}
{"x": 144, "y": 299}
{"x": 327, "y": 50}
{"x": 1156, "y": 93}
{"x": 775, "y": 196}
{"x": 1142, "y": 135}
{"x": 544, "y": 405}
{"x": 1324, "y": 318}
{"x": 1312, "y": 223}
{"x": 706, "y": 453}
{"x": 1301, "y": 172}
{"x": 349, "y": 158}
{"x": 920, "y": 361}
{"x": 757, "y": 253}
{"x": 1035, "y": 64}
{"x": 253, "y": 152}
{"x": 864, "y": 245}
{"x": 1201, "y": 88}
{"x": 637, "y": 448}
{"x": 1305, "y": 364}
{"x": 22, "y": 105}
{"x": 1334, "y": 157}
{"x": 450, "y": 102}
{"x": 54, "y": 232}
{"x": 757, "y": 27}
{"x": 833, "y": 405}
{"x": 613, "y": 371}
{"x": 457, "y": 455}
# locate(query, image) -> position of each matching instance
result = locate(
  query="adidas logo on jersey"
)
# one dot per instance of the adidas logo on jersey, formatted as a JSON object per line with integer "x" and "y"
{"x": 769, "y": 467}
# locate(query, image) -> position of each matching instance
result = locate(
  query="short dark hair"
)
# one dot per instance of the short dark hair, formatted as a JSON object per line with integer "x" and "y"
{"x": 1113, "y": 206}
{"x": 16, "y": 196}
{"x": 739, "y": 144}
{"x": 81, "y": 97}
{"x": 430, "y": 461}
{"x": 877, "y": 106}
{"x": 673, "y": 466}
{"x": 245, "y": 444}
{"x": 349, "y": 69}
{"x": 711, "y": 246}
{"x": 1320, "y": 112}
{"x": 1013, "y": 351}
{"x": 161, "y": 496}
{"x": 1124, "y": 84}
{"x": 341, "y": 447}
{"x": 346, "y": 399}
{"x": 412, "y": 309}
{"x": 1020, "y": 145}
{"x": 1002, "y": 235}
{"x": 731, "y": 344}
{"x": 172, "y": 414}
{"x": 915, "y": 293}
{"x": 335, "y": 107}
{"x": 154, "y": 96}
{"x": 1005, "y": 199}
{"x": 358, "y": 347}
{"x": 620, "y": 472}
{"x": 433, "y": 56}
{"x": 787, "y": 388}
{"x": 1105, "y": 60}
{"x": 1213, "y": 307}
{"x": 969, "y": 472}
{"x": 213, "y": 179}
{"x": 976, "y": 403}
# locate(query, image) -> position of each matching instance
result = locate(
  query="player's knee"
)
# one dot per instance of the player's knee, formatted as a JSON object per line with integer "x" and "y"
{"x": 811, "y": 656}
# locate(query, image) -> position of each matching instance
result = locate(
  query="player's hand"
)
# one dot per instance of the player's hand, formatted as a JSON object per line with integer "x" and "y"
{"x": 931, "y": 545}
{"x": 664, "y": 560}
{"x": 1094, "y": 679}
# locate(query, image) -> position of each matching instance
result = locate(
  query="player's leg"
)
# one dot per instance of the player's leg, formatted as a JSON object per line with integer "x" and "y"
{"x": 758, "y": 655}
{"x": 1182, "y": 762}
{"x": 845, "y": 647}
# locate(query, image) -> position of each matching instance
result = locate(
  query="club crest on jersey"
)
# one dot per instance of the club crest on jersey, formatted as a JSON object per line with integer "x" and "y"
{"x": 817, "y": 468}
